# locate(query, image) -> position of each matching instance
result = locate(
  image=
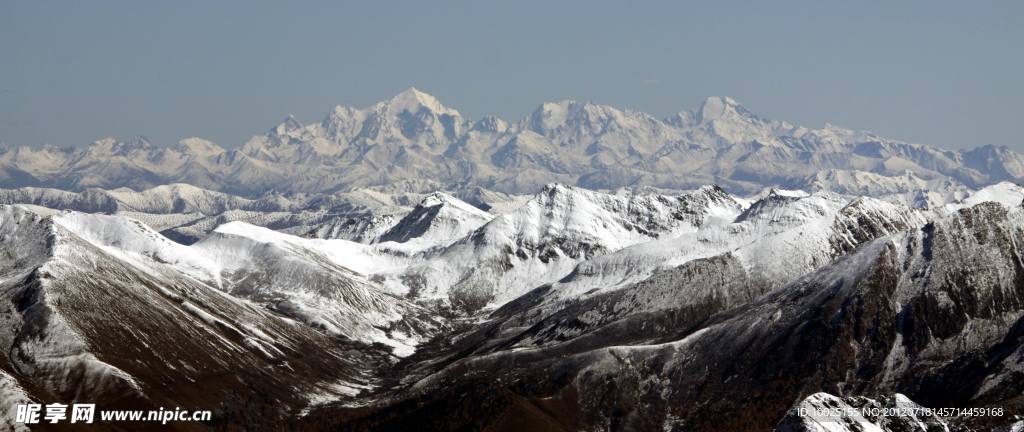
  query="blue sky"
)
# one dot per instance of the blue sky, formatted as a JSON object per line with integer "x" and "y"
{"x": 940, "y": 73}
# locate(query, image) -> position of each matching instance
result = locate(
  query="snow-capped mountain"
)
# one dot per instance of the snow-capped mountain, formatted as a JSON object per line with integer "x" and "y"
{"x": 438, "y": 220}
{"x": 930, "y": 311}
{"x": 410, "y": 125}
{"x": 570, "y": 298}
{"x": 100, "y": 308}
{"x": 283, "y": 272}
{"x": 541, "y": 241}
{"x": 414, "y": 140}
{"x": 187, "y": 213}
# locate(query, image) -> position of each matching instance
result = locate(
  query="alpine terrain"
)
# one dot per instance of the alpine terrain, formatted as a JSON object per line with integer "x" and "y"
{"x": 585, "y": 268}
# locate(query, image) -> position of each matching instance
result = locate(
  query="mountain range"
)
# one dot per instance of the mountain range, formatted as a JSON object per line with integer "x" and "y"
{"x": 400, "y": 267}
{"x": 567, "y": 309}
{"x": 413, "y": 143}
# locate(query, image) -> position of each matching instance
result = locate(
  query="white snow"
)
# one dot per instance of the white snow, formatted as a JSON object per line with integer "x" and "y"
{"x": 1005, "y": 193}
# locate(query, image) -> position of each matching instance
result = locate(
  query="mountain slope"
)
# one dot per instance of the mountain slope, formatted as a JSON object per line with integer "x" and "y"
{"x": 542, "y": 241}
{"x": 187, "y": 213}
{"x": 268, "y": 268}
{"x": 437, "y": 220}
{"x": 83, "y": 324}
{"x": 931, "y": 312}
{"x": 311, "y": 281}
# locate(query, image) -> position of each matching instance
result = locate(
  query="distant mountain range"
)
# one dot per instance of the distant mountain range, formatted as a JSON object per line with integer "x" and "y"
{"x": 413, "y": 143}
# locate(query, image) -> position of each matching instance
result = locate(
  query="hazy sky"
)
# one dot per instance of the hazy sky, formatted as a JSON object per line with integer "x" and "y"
{"x": 946, "y": 74}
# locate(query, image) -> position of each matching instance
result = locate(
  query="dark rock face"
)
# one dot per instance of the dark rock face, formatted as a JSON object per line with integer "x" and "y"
{"x": 934, "y": 313}
{"x": 81, "y": 325}
{"x": 420, "y": 218}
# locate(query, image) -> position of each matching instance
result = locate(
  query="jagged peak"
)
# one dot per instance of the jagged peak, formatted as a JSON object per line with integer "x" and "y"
{"x": 490, "y": 124}
{"x": 554, "y": 193}
{"x": 412, "y": 100}
{"x": 714, "y": 190}
{"x": 1007, "y": 193}
{"x": 435, "y": 199}
{"x": 716, "y": 107}
{"x": 787, "y": 193}
{"x": 790, "y": 204}
{"x": 111, "y": 145}
{"x": 289, "y": 124}
{"x": 550, "y": 116}
{"x": 552, "y": 188}
{"x": 681, "y": 119}
{"x": 340, "y": 112}
{"x": 104, "y": 142}
{"x": 572, "y": 108}
{"x": 445, "y": 199}
{"x": 199, "y": 146}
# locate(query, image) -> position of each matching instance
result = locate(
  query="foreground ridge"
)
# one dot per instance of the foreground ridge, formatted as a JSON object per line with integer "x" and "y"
{"x": 568, "y": 309}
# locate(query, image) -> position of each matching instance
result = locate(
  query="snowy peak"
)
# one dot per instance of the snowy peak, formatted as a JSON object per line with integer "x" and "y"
{"x": 113, "y": 147}
{"x": 413, "y": 101}
{"x": 1008, "y": 194}
{"x": 603, "y": 134}
{"x": 342, "y": 123}
{"x": 786, "y": 206}
{"x": 174, "y": 313}
{"x": 444, "y": 199}
{"x": 646, "y": 215}
{"x": 414, "y": 138}
{"x": 568, "y": 116}
{"x": 392, "y": 132}
{"x": 490, "y": 124}
{"x": 999, "y": 162}
{"x": 719, "y": 113}
{"x": 542, "y": 240}
{"x": 716, "y": 107}
{"x": 164, "y": 199}
{"x": 287, "y": 126}
{"x": 864, "y": 219}
{"x": 438, "y": 220}
{"x": 308, "y": 280}
{"x": 550, "y": 116}
{"x": 585, "y": 223}
{"x": 199, "y": 147}
{"x": 410, "y": 118}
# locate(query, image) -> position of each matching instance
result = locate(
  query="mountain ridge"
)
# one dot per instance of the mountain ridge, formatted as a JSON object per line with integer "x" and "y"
{"x": 630, "y": 301}
{"x": 415, "y": 140}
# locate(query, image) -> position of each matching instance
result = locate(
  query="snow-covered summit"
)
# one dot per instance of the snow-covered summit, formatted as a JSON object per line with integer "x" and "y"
{"x": 199, "y": 147}
{"x": 412, "y": 100}
{"x": 1006, "y": 193}
{"x": 717, "y": 107}
{"x": 543, "y": 239}
{"x": 438, "y": 220}
{"x": 414, "y": 139}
